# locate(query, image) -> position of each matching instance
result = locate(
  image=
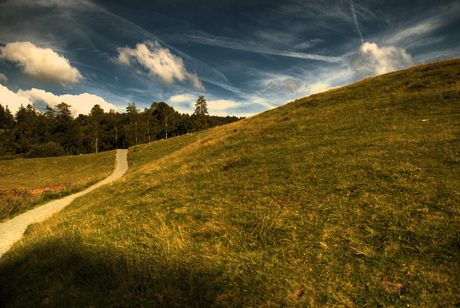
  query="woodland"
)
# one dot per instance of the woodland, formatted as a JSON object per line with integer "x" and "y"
{"x": 30, "y": 133}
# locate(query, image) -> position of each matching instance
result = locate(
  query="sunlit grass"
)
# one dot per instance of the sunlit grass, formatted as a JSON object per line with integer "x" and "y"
{"x": 72, "y": 173}
{"x": 345, "y": 198}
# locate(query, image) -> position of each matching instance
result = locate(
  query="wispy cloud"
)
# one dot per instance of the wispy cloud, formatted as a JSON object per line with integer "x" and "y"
{"x": 223, "y": 42}
{"x": 41, "y": 63}
{"x": 158, "y": 62}
{"x": 289, "y": 85}
{"x": 50, "y": 3}
{"x": 308, "y": 44}
{"x": 420, "y": 31}
{"x": 3, "y": 78}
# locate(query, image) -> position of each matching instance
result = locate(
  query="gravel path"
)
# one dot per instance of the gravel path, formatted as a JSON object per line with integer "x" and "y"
{"x": 13, "y": 229}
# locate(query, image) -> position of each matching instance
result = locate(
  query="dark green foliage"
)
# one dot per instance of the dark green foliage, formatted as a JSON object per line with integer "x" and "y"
{"x": 49, "y": 149}
{"x": 55, "y": 132}
{"x": 6, "y": 118}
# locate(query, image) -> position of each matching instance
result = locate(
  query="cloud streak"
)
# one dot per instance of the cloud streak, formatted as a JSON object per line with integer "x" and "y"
{"x": 41, "y": 63}
{"x": 223, "y": 42}
{"x": 352, "y": 6}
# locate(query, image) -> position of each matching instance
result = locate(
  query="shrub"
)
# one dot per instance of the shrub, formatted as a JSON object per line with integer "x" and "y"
{"x": 50, "y": 149}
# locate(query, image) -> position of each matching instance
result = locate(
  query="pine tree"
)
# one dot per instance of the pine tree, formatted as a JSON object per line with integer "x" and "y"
{"x": 201, "y": 115}
{"x": 6, "y": 118}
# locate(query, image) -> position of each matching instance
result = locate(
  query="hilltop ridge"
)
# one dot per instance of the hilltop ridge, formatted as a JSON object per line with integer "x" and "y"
{"x": 344, "y": 198}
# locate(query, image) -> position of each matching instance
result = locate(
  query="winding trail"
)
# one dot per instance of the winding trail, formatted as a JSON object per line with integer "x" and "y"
{"x": 13, "y": 229}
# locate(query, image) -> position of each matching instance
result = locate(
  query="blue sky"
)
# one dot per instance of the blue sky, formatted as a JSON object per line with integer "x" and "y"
{"x": 244, "y": 56}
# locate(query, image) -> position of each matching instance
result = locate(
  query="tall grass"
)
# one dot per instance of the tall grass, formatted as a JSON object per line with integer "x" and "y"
{"x": 345, "y": 198}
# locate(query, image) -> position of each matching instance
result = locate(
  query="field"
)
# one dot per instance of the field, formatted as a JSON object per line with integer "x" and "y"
{"x": 26, "y": 183}
{"x": 347, "y": 198}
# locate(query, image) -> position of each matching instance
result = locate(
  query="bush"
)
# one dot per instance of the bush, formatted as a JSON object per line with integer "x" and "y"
{"x": 50, "y": 149}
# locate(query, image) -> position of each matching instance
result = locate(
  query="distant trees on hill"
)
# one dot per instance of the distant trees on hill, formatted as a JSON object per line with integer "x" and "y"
{"x": 30, "y": 133}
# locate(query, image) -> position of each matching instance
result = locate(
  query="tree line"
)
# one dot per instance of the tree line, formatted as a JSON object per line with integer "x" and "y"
{"x": 31, "y": 133}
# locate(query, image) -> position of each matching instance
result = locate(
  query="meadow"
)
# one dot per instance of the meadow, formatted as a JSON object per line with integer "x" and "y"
{"x": 346, "y": 198}
{"x": 26, "y": 183}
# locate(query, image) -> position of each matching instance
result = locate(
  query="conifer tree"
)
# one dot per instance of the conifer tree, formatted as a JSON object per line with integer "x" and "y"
{"x": 201, "y": 115}
{"x": 6, "y": 117}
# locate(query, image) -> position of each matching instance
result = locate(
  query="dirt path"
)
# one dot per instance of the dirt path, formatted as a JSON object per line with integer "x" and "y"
{"x": 13, "y": 229}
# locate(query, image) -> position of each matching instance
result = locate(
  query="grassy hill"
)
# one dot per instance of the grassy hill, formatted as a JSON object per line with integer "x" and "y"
{"x": 25, "y": 183}
{"x": 345, "y": 198}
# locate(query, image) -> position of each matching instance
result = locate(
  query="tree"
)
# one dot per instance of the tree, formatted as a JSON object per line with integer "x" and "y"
{"x": 95, "y": 124}
{"x": 6, "y": 131}
{"x": 151, "y": 123}
{"x": 132, "y": 128}
{"x": 6, "y": 118}
{"x": 64, "y": 110}
{"x": 201, "y": 106}
{"x": 25, "y": 132}
{"x": 166, "y": 116}
{"x": 55, "y": 132}
{"x": 50, "y": 112}
{"x": 114, "y": 124}
{"x": 67, "y": 131}
{"x": 201, "y": 115}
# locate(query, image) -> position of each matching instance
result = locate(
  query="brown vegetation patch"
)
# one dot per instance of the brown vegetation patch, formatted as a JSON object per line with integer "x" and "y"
{"x": 392, "y": 287}
{"x": 34, "y": 191}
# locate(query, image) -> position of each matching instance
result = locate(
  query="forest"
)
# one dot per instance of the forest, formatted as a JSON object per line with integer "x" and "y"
{"x": 30, "y": 133}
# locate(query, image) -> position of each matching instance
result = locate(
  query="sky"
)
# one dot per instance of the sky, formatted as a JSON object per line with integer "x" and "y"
{"x": 244, "y": 56}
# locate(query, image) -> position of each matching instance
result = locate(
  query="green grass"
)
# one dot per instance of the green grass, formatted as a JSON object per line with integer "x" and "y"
{"x": 75, "y": 172}
{"x": 345, "y": 198}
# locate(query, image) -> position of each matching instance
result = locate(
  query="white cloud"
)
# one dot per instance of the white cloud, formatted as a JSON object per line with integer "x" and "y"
{"x": 373, "y": 60}
{"x": 320, "y": 86}
{"x": 12, "y": 100}
{"x": 217, "y": 106}
{"x": 246, "y": 107}
{"x": 183, "y": 103}
{"x": 158, "y": 62}
{"x": 80, "y": 104}
{"x": 3, "y": 78}
{"x": 41, "y": 63}
{"x": 183, "y": 98}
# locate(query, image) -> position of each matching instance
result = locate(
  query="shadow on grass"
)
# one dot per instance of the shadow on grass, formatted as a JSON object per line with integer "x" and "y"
{"x": 69, "y": 274}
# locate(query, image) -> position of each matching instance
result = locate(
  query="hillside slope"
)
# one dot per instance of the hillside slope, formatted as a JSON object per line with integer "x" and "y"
{"x": 345, "y": 198}
{"x": 26, "y": 183}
